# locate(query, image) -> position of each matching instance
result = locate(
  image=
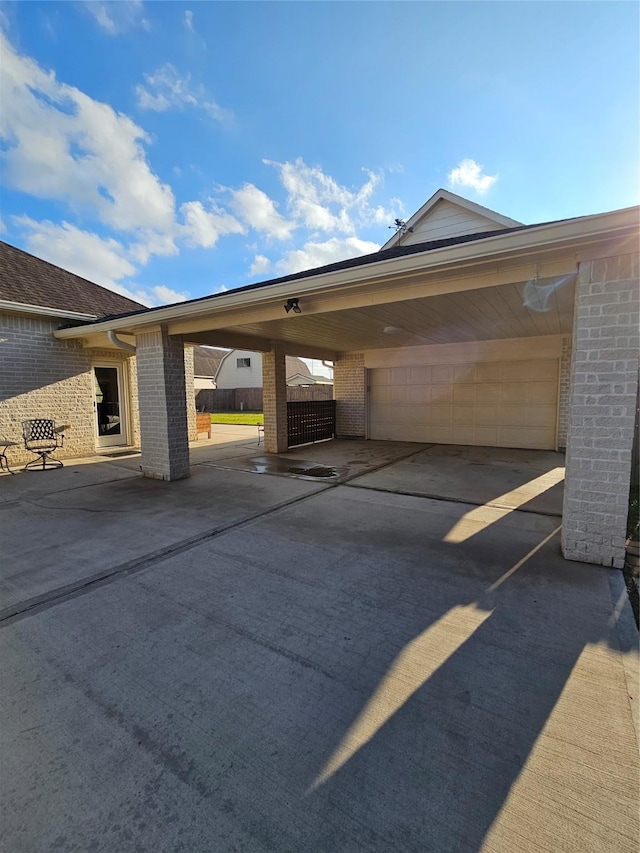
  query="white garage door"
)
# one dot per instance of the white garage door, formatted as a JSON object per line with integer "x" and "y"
{"x": 496, "y": 404}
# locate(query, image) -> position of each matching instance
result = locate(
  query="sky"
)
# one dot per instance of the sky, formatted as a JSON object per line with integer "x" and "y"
{"x": 173, "y": 150}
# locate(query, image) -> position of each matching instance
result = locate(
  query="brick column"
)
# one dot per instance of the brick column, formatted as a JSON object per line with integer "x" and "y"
{"x": 349, "y": 392}
{"x": 274, "y": 399}
{"x": 163, "y": 406}
{"x": 190, "y": 393}
{"x": 604, "y": 382}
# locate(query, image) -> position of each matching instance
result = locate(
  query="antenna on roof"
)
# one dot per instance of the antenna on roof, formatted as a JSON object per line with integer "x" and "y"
{"x": 400, "y": 226}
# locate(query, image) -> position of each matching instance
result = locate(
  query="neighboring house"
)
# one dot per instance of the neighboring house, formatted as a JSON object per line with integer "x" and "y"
{"x": 206, "y": 361}
{"x": 308, "y": 379}
{"x": 465, "y": 328}
{"x": 243, "y": 369}
{"x": 93, "y": 390}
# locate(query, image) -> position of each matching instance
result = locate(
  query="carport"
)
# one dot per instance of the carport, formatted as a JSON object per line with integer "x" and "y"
{"x": 520, "y": 336}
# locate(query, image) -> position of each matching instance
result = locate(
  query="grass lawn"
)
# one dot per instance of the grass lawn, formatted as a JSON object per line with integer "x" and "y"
{"x": 250, "y": 418}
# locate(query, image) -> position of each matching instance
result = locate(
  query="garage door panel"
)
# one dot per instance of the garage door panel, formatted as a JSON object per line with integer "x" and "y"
{"x": 540, "y": 370}
{"x": 462, "y": 435}
{"x": 439, "y": 414}
{"x": 489, "y": 372}
{"x": 503, "y": 404}
{"x": 537, "y": 439}
{"x": 379, "y": 378}
{"x": 513, "y": 415}
{"x": 380, "y": 395}
{"x": 420, "y": 375}
{"x": 442, "y": 373}
{"x": 420, "y": 395}
{"x": 400, "y": 375}
{"x": 441, "y": 394}
{"x": 491, "y": 392}
{"x": 540, "y": 416}
{"x": 465, "y": 373}
{"x": 464, "y": 393}
{"x": 487, "y": 436}
{"x": 513, "y": 392}
{"x": 541, "y": 392}
{"x": 401, "y": 395}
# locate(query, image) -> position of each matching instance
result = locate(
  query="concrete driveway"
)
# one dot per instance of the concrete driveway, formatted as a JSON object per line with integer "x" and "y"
{"x": 255, "y": 662}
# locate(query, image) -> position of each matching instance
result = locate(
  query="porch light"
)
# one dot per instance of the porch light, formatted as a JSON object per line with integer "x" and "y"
{"x": 292, "y": 305}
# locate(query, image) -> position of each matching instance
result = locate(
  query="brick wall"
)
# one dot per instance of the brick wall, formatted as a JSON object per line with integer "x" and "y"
{"x": 162, "y": 400}
{"x": 604, "y": 381}
{"x": 192, "y": 428}
{"x": 43, "y": 377}
{"x": 274, "y": 399}
{"x": 350, "y": 394}
{"x": 563, "y": 392}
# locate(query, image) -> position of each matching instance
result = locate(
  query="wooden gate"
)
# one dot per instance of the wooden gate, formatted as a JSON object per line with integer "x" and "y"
{"x": 310, "y": 420}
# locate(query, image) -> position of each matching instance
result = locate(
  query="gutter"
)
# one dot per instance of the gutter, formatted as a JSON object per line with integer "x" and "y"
{"x": 115, "y": 340}
{"x": 43, "y": 311}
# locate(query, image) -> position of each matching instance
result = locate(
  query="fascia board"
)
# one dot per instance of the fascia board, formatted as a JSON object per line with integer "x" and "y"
{"x": 561, "y": 235}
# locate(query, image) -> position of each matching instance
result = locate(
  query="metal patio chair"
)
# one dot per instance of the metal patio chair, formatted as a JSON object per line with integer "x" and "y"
{"x": 42, "y": 437}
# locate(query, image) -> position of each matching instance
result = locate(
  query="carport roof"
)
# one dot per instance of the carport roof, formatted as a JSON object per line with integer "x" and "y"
{"x": 348, "y": 263}
{"x": 466, "y": 287}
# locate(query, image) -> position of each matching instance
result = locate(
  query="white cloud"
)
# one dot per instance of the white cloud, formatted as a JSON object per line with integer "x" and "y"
{"x": 468, "y": 173}
{"x": 98, "y": 259}
{"x": 188, "y": 20}
{"x": 260, "y": 265}
{"x": 103, "y": 260}
{"x": 320, "y": 203}
{"x": 318, "y": 254}
{"x": 166, "y": 89}
{"x": 259, "y": 211}
{"x": 60, "y": 144}
{"x": 3, "y": 227}
{"x": 166, "y": 295}
{"x": 204, "y": 227}
{"x": 118, "y": 17}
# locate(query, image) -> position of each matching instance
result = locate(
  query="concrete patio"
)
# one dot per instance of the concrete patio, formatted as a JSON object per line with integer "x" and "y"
{"x": 398, "y": 659}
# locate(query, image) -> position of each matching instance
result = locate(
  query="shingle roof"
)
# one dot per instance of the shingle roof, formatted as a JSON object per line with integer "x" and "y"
{"x": 206, "y": 360}
{"x": 32, "y": 281}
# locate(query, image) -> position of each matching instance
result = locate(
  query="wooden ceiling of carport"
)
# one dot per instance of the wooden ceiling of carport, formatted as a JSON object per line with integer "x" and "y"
{"x": 487, "y": 313}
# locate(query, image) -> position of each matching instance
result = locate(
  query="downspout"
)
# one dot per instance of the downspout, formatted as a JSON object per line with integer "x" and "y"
{"x": 115, "y": 340}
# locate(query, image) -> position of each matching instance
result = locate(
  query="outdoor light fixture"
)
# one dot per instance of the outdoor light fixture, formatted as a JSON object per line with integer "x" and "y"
{"x": 292, "y": 305}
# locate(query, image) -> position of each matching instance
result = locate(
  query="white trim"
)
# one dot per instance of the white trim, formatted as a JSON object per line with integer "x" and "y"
{"x": 559, "y": 235}
{"x": 459, "y": 201}
{"x": 43, "y": 311}
{"x": 122, "y": 374}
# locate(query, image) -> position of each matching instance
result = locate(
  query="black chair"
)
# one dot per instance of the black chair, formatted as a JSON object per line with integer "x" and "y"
{"x": 42, "y": 438}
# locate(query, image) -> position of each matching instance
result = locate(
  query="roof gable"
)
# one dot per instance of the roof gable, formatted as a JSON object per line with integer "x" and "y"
{"x": 447, "y": 215}
{"x": 29, "y": 280}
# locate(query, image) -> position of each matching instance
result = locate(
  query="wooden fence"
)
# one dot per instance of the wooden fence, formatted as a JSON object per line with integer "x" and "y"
{"x": 250, "y": 399}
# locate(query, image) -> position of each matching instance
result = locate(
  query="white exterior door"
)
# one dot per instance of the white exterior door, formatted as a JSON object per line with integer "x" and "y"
{"x": 494, "y": 404}
{"x": 109, "y": 405}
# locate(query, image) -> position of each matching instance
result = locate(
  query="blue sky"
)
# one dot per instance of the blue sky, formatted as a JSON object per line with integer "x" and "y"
{"x": 171, "y": 150}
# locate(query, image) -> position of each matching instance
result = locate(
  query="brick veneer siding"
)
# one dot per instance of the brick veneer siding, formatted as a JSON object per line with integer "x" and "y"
{"x": 192, "y": 428}
{"x": 604, "y": 381}
{"x": 563, "y": 392}
{"x": 274, "y": 399}
{"x": 162, "y": 402}
{"x": 43, "y": 377}
{"x": 349, "y": 388}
